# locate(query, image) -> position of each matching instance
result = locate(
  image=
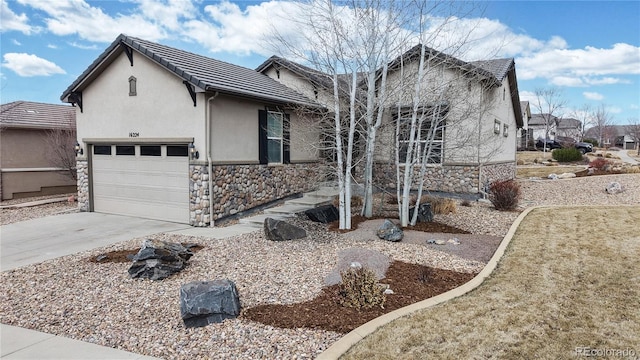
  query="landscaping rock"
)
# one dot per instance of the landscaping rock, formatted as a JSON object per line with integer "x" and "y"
{"x": 566, "y": 176}
{"x": 424, "y": 213}
{"x": 159, "y": 259}
{"x": 390, "y": 231}
{"x": 552, "y": 176}
{"x": 207, "y": 302}
{"x": 323, "y": 214}
{"x": 614, "y": 188}
{"x": 278, "y": 230}
{"x": 355, "y": 258}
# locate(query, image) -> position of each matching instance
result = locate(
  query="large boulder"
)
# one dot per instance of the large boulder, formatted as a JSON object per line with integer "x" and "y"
{"x": 278, "y": 230}
{"x": 207, "y": 302}
{"x": 390, "y": 231}
{"x": 424, "y": 213}
{"x": 158, "y": 259}
{"x": 323, "y": 214}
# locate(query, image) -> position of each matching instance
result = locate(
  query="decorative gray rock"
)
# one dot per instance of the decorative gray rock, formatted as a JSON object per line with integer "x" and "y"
{"x": 207, "y": 302}
{"x": 278, "y": 230}
{"x": 323, "y": 214}
{"x": 159, "y": 259}
{"x": 614, "y": 188}
{"x": 390, "y": 231}
{"x": 566, "y": 175}
{"x": 424, "y": 213}
{"x": 552, "y": 176}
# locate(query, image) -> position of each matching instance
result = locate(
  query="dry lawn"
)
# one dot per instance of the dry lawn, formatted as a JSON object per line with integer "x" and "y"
{"x": 525, "y": 172}
{"x": 570, "y": 278}
{"x": 531, "y": 156}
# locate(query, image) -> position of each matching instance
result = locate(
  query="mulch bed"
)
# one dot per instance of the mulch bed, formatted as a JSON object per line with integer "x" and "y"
{"x": 126, "y": 256}
{"x": 431, "y": 227}
{"x": 410, "y": 283}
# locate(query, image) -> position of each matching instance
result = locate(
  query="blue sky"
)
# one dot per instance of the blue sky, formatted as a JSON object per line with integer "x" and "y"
{"x": 590, "y": 50}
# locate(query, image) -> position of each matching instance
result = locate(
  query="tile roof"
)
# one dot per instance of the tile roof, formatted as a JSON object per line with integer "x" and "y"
{"x": 26, "y": 114}
{"x": 200, "y": 71}
{"x": 498, "y": 67}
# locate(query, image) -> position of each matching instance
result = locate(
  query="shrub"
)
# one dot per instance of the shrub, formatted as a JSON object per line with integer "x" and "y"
{"x": 440, "y": 205}
{"x": 632, "y": 170}
{"x": 567, "y": 155}
{"x": 599, "y": 163}
{"x": 360, "y": 289}
{"x": 504, "y": 195}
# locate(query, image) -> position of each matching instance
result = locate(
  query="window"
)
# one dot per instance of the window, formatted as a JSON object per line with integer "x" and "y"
{"x": 177, "y": 150}
{"x": 150, "y": 150}
{"x": 273, "y": 137}
{"x": 133, "y": 86}
{"x": 424, "y": 135}
{"x": 505, "y": 130}
{"x": 102, "y": 149}
{"x": 496, "y": 126}
{"x": 125, "y": 150}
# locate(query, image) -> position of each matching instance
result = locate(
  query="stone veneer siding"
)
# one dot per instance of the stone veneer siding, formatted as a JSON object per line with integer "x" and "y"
{"x": 449, "y": 178}
{"x": 82, "y": 167}
{"x": 238, "y": 188}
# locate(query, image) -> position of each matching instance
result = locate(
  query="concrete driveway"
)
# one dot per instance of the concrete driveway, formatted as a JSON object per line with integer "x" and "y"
{"x": 37, "y": 240}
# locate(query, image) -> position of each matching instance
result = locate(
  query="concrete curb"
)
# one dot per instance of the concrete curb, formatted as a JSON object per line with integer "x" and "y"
{"x": 35, "y": 203}
{"x": 343, "y": 345}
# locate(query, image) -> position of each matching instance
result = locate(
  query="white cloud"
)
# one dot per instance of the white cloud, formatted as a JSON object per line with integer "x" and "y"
{"x": 634, "y": 106}
{"x": 614, "y": 109}
{"x": 10, "y": 21}
{"x": 28, "y": 65}
{"x": 76, "y": 17}
{"x": 16, "y": 42}
{"x": 584, "y": 66}
{"x": 592, "y": 95}
{"x": 52, "y": 46}
{"x": 83, "y": 47}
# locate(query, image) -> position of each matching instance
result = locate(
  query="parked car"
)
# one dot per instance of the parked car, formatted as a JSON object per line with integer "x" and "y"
{"x": 584, "y": 147}
{"x": 551, "y": 144}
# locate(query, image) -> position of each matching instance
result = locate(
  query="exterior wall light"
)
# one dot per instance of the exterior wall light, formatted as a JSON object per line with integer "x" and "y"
{"x": 78, "y": 149}
{"x": 193, "y": 153}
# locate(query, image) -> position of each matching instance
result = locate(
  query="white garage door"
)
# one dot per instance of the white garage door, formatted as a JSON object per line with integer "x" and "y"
{"x": 149, "y": 181}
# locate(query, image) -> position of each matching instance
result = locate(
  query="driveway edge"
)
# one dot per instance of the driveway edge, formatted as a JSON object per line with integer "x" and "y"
{"x": 345, "y": 343}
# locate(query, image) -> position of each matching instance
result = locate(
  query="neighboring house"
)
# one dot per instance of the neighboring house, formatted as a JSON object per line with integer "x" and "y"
{"x": 558, "y": 128}
{"x": 27, "y": 164}
{"x": 171, "y": 135}
{"x": 612, "y": 135}
{"x": 474, "y": 148}
{"x": 525, "y": 134}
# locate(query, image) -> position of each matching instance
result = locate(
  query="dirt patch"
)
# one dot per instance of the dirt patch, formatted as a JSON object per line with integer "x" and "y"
{"x": 125, "y": 256}
{"x": 410, "y": 283}
{"x": 596, "y": 172}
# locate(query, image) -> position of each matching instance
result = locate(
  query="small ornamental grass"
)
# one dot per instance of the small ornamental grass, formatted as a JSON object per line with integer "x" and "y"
{"x": 360, "y": 289}
{"x": 504, "y": 195}
{"x": 600, "y": 164}
{"x": 567, "y": 155}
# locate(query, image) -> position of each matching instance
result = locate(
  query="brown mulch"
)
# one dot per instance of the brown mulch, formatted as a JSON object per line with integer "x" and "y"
{"x": 431, "y": 227}
{"x": 410, "y": 283}
{"x": 595, "y": 172}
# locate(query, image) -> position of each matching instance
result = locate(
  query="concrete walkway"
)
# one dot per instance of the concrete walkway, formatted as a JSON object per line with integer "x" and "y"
{"x": 626, "y": 158}
{"x": 37, "y": 240}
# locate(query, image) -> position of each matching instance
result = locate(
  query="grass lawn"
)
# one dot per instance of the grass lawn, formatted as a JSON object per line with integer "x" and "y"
{"x": 569, "y": 279}
{"x": 530, "y": 156}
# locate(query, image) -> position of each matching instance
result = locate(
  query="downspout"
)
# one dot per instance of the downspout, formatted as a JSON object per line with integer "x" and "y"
{"x": 207, "y": 139}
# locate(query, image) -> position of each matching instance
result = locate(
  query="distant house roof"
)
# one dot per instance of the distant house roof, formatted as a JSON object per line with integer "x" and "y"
{"x": 26, "y": 114}
{"x": 562, "y": 123}
{"x": 205, "y": 74}
{"x": 612, "y": 130}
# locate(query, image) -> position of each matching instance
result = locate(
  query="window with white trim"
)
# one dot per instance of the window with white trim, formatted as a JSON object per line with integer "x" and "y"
{"x": 275, "y": 122}
{"x": 424, "y": 136}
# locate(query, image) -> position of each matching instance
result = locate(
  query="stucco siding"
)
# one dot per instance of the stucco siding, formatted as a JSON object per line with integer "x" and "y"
{"x": 162, "y": 105}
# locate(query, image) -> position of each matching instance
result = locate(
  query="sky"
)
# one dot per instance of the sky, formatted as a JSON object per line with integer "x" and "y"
{"x": 588, "y": 50}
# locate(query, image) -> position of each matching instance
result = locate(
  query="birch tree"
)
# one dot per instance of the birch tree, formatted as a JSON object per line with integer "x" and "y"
{"x": 549, "y": 102}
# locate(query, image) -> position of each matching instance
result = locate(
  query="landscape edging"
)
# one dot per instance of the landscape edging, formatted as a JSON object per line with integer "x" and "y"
{"x": 345, "y": 343}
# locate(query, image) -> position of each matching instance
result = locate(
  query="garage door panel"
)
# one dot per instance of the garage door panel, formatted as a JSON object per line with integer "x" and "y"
{"x": 144, "y": 186}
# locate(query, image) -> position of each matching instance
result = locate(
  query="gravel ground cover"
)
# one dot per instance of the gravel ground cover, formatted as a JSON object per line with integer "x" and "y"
{"x": 11, "y": 215}
{"x": 98, "y": 303}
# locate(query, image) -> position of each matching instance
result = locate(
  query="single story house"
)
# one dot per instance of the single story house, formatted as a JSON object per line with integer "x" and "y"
{"x": 477, "y": 143}
{"x": 32, "y": 146}
{"x": 613, "y": 135}
{"x": 172, "y": 135}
